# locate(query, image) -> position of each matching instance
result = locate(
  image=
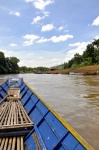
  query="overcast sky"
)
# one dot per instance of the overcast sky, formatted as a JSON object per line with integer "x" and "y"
{"x": 47, "y": 32}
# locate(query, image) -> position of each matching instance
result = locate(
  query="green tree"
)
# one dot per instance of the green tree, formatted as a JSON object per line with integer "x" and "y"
{"x": 8, "y": 64}
{"x": 89, "y": 53}
{"x": 2, "y": 63}
{"x": 77, "y": 59}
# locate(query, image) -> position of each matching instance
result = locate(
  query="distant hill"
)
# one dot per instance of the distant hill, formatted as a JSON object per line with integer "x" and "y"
{"x": 58, "y": 67}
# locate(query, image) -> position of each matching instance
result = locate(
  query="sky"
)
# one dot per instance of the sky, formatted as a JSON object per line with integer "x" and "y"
{"x": 47, "y": 32}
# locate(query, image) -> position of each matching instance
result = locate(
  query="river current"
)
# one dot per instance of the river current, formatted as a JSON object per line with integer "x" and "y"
{"x": 74, "y": 97}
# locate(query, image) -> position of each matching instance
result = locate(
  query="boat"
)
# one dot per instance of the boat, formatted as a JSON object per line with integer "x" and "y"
{"x": 75, "y": 73}
{"x": 29, "y": 123}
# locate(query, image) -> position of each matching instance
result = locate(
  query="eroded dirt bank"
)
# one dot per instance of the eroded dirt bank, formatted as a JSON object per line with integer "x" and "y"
{"x": 87, "y": 70}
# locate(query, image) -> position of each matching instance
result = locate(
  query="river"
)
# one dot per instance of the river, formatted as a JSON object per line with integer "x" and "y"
{"x": 75, "y": 98}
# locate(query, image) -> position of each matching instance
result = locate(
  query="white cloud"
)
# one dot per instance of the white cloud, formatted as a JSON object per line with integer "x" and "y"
{"x": 75, "y": 44}
{"x": 40, "y": 57}
{"x": 13, "y": 45}
{"x": 42, "y": 40}
{"x": 37, "y": 19}
{"x": 54, "y": 60}
{"x": 97, "y": 37}
{"x": 60, "y": 38}
{"x": 47, "y": 27}
{"x": 61, "y": 28}
{"x": 55, "y": 39}
{"x": 46, "y": 13}
{"x": 96, "y": 22}
{"x": 30, "y": 39}
{"x": 79, "y": 49}
{"x": 40, "y": 4}
{"x": 15, "y": 13}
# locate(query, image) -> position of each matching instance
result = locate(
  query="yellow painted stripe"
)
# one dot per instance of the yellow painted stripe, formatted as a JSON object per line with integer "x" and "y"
{"x": 76, "y": 135}
{"x": 2, "y": 83}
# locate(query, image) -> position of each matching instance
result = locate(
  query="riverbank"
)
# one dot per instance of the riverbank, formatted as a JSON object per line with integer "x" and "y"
{"x": 87, "y": 70}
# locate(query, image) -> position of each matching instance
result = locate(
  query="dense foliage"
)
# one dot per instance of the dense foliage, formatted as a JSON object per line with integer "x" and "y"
{"x": 89, "y": 57}
{"x": 8, "y": 64}
{"x": 25, "y": 69}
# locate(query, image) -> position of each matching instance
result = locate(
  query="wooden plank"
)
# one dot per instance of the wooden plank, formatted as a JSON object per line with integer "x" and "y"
{"x": 22, "y": 144}
{"x": 20, "y": 114}
{"x": 5, "y": 144}
{"x": 3, "y": 108}
{"x": 14, "y": 107}
{"x": 2, "y": 144}
{"x": 24, "y": 112}
{"x": 6, "y": 118}
{"x": 9, "y": 118}
{"x": 3, "y": 116}
{"x": 3, "y": 99}
{"x": 17, "y": 126}
{"x": 13, "y": 143}
{"x": 10, "y": 144}
{"x": 18, "y": 143}
{"x": 12, "y": 112}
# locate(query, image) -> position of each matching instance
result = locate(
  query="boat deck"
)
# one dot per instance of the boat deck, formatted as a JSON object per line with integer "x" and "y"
{"x": 14, "y": 122}
{"x": 12, "y": 143}
{"x": 13, "y": 115}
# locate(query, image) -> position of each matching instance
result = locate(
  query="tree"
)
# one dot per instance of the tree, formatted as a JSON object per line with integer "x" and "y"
{"x": 2, "y": 58}
{"x": 89, "y": 53}
{"x": 96, "y": 43}
{"x": 8, "y": 64}
{"x": 2, "y": 63}
{"x": 70, "y": 63}
{"x": 14, "y": 60}
{"x": 77, "y": 58}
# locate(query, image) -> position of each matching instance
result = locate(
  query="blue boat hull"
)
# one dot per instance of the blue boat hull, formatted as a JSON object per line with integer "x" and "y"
{"x": 50, "y": 131}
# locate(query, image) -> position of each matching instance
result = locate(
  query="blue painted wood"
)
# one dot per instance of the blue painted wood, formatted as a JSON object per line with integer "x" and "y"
{"x": 30, "y": 143}
{"x": 47, "y": 135}
{"x": 22, "y": 87}
{"x": 56, "y": 126}
{"x": 79, "y": 147}
{"x": 0, "y": 97}
{"x": 24, "y": 92}
{"x": 25, "y": 98}
{"x": 59, "y": 141}
{"x": 70, "y": 142}
{"x": 2, "y": 93}
{"x": 49, "y": 128}
{"x": 41, "y": 141}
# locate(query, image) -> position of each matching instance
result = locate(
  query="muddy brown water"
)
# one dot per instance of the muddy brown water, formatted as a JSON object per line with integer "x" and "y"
{"x": 75, "y": 98}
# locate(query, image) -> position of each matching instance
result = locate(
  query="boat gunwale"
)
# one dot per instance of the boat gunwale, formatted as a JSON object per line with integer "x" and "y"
{"x": 3, "y": 82}
{"x": 72, "y": 131}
